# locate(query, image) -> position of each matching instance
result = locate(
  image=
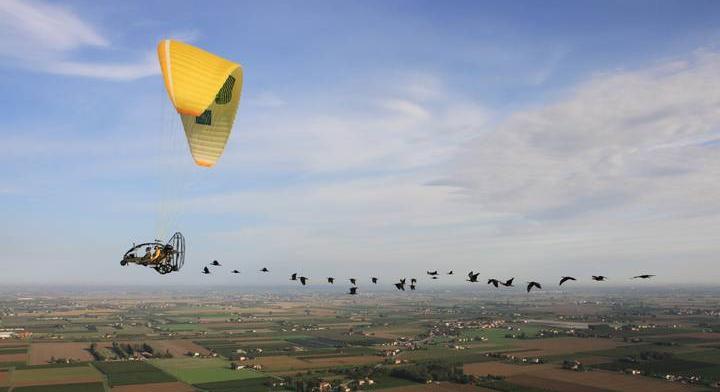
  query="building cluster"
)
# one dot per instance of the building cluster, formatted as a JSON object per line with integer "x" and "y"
{"x": 348, "y": 386}
{"x": 14, "y": 333}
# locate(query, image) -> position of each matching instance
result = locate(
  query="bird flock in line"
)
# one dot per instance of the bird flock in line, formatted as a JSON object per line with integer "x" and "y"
{"x": 472, "y": 278}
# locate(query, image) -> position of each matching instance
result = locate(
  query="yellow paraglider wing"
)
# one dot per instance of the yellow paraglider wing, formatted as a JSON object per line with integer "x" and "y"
{"x": 205, "y": 90}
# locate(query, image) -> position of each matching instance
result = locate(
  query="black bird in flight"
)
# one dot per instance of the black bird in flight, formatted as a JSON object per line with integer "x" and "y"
{"x": 331, "y": 280}
{"x": 508, "y": 283}
{"x": 533, "y": 284}
{"x": 353, "y": 281}
{"x": 215, "y": 263}
{"x": 413, "y": 281}
{"x": 293, "y": 276}
{"x": 374, "y": 280}
{"x": 412, "y": 287}
{"x": 451, "y": 272}
{"x": 264, "y": 269}
{"x": 643, "y": 276}
{"x": 400, "y": 286}
{"x": 473, "y": 277}
{"x": 565, "y": 279}
{"x": 434, "y": 277}
{"x": 206, "y": 270}
{"x": 353, "y": 291}
{"x": 599, "y": 278}
{"x": 235, "y": 271}
{"x": 494, "y": 282}
{"x": 303, "y": 280}
{"x": 432, "y": 273}
{"x": 402, "y": 281}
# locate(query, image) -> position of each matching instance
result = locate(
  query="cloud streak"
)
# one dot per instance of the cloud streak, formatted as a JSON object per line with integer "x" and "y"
{"x": 47, "y": 38}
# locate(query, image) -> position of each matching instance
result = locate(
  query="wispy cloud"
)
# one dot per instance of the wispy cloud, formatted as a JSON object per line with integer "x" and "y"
{"x": 597, "y": 149}
{"x": 47, "y": 37}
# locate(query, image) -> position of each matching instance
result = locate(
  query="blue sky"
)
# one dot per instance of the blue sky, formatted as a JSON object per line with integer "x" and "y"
{"x": 514, "y": 138}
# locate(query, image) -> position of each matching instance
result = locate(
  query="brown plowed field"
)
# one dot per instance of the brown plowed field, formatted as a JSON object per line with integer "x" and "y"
{"x": 41, "y": 353}
{"x": 612, "y": 381}
{"x": 442, "y": 387}
{"x": 553, "y": 385}
{"x": 72, "y": 375}
{"x": 13, "y": 358}
{"x": 339, "y": 361}
{"x": 555, "y": 346}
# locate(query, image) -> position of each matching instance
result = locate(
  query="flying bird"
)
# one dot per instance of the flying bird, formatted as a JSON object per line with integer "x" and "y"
{"x": 400, "y": 286}
{"x": 374, "y": 280}
{"x": 434, "y": 277}
{"x": 432, "y": 273}
{"x": 643, "y": 276}
{"x": 473, "y": 277}
{"x": 508, "y": 283}
{"x": 235, "y": 271}
{"x": 215, "y": 263}
{"x": 412, "y": 287}
{"x": 353, "y": 281}
{"x": 599, "y": 278}
{"x": 413, "y": 281}
{"x": 402, "y": 281}
{"x": 206, "y": 270}
{"x": 353, "y": 291}
{"x": 331, "y": 280}
{"x": 264, "y": 269}
{"x": 565, "y": 279}
{"x": 293, "y": 276}
{"x": 303, "y": 280}
{"x": 533, "y": 284}
{"x": 494, "y": 282}
{"x": 451, "y": 272}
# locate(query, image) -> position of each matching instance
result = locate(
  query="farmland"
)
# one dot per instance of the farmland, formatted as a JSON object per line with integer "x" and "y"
{"x": 245, "y": 341}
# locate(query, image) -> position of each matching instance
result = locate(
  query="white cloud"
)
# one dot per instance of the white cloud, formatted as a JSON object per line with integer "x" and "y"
{"x": 108, "y": 71}
{"x": 264, "y": 99}
{"x": 46, "y": 37}
{"x": 370, "y": 134}
{"x": 606, "y": 146}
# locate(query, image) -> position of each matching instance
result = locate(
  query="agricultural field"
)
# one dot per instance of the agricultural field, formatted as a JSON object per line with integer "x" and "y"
{"x": 232, "y": 341}
{"x": 81, "y": 387}
{"x": 132, "y": 372}
{"x": 55, "y": 376}
{"x": 202, "y": 371}
{"x": 43, "y": 353}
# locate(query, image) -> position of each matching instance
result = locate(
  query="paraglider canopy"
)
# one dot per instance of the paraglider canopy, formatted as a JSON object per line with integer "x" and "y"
{"x": 205, "y": 90}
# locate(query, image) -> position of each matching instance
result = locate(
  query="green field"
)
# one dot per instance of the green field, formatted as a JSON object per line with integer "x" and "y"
{"x": 13, "y": 350}
{"x": 86, "y": 387}
{"x": 181, "y": 327}
{"x": 504, "y": 386}
{"x": 384, "y": 382}
{"x": 245, "y": 385}
{"x": 201, "y": 371}
{"x": 710, "y": 356}
{"x": 657, "y": 367}
{"x": 132, "y": 372}
{"x": 228, "y": 348}
{"x": 7, "y": 365}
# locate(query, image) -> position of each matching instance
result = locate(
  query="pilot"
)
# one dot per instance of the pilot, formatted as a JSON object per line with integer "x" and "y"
{"x": 148, "y": 253}
{"x": 157, "y": 254}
